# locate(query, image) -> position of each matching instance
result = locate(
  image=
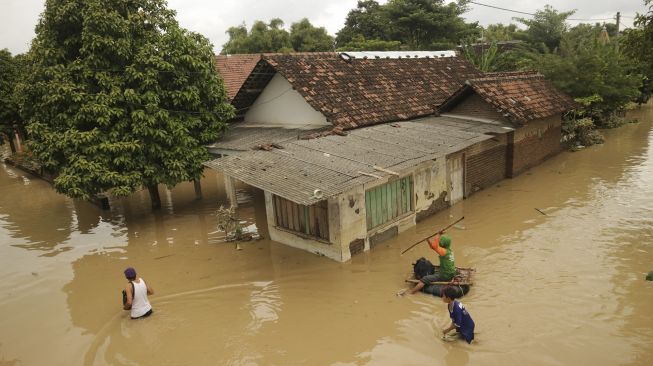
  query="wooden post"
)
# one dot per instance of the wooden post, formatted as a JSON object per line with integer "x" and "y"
{"x": 230, "y": 187}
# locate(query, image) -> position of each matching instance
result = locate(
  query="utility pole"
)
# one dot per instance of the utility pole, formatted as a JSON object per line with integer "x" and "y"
{"x": 618, "y": 20}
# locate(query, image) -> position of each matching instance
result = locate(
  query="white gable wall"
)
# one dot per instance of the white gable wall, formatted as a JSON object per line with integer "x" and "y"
{"x": 279, "y": 104}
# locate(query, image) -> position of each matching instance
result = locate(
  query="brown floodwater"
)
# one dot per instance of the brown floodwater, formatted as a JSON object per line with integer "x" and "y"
{"x": 564, "y": 288}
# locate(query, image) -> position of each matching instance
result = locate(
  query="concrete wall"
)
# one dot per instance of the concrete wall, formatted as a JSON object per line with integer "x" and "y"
{"x": 431, "y": 191}
{"x": 352, "y": 235}
{"x": 475, "y": 106}
{"x": 535, "y": 142}
{"x": 485, "y": 163}
{"x": 279, "y": 104}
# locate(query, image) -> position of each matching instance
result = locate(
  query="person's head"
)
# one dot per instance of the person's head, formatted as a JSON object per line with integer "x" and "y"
{"x": 449, "y": 294}
{"x": 445, "y": 241}
{"x": 130, "y": 273}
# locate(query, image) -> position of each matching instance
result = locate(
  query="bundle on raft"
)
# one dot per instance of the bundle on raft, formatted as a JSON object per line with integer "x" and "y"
{"x": 462, "y": 281}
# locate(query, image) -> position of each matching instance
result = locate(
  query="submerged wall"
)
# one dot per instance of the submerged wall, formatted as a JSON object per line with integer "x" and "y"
{"x": 535, "y": 142}
{"x": 486, "y": 164}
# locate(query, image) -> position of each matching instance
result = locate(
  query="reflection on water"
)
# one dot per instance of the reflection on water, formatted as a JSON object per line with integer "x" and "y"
{"x": 561, "y": 286}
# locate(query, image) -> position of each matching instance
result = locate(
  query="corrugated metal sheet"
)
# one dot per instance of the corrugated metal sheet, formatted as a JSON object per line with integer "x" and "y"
{"x": 246, "y": 138}
{"x": 333, "y": 164}
{"x": 398, "y": 54}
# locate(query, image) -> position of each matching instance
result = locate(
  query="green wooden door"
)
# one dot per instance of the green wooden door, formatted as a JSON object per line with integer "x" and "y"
{"x": 389, "y": 201}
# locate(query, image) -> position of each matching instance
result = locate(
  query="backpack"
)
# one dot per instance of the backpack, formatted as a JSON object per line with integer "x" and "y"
{"x": 124, "y": 295}
{"x": 423, "y": 267}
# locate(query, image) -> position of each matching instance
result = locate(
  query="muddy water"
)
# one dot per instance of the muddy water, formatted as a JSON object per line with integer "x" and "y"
{"x": 557, "y": 289}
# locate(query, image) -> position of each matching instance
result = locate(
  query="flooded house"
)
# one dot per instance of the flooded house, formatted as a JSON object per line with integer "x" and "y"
{"x": 352, "y": 149}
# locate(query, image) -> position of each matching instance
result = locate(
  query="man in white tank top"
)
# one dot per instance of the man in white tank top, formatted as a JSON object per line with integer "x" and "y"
{"x": 137, "y": 301}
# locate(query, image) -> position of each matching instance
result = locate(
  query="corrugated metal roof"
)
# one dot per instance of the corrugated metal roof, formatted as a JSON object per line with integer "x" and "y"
{"x": 246, "y": 138}
{"x": 333, "y": 164}
{"x": 398, "y": 54}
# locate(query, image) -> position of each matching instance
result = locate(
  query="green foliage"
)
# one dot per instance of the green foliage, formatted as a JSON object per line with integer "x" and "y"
{"x": 500, "y": 32}
{"x": 272, "y": 37}
{"x": 9, "y": 75}
{"x": 638, "y": 45}
{"x": 581, "y": 131}
{"x": 118, "y": 95}
{"x": 359, "y": 43}
{"x": 417, "y": 24}
{"x": 546, "y": 28}
{"x": 587, "y": 68}
{"x": 368, "y": 21}
{"x": 304, "y": 37}
{"x": 483, "y": 55}
{"x": 262, "y": 37}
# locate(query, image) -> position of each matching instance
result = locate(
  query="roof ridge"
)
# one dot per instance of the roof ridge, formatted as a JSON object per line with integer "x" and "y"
{"x": 507, "y": 78}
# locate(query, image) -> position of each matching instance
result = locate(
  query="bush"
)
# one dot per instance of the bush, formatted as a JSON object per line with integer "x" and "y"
{"x": 580, "y": 132}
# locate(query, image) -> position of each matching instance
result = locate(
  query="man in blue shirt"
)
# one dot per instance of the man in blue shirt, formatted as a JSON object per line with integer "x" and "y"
{"x": 461, "y": 321}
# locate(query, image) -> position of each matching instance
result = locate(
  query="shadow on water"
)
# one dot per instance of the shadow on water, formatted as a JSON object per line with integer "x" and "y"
{"x": 52, "y": 212}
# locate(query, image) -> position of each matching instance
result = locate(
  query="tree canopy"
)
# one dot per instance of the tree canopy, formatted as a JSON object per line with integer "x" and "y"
{"x": 272, "y": 37}
{"x": 117, "y": 95}
{"x": 9, "y": 75}
{"x": 638, "y": 45}
{"x": 416, "y": 24}
{"x": 546, "y": 27}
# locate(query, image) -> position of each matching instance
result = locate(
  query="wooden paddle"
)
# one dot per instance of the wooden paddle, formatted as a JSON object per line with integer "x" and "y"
{"x": 436, "y": 233}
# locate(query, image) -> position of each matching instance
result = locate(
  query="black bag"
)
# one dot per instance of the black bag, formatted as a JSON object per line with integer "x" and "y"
{"x": 423, "y": 267}
{"x": 124, "y": 295}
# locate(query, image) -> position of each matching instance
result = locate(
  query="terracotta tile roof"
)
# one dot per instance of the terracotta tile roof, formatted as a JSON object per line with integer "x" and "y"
{"x": 365, "y": 92}
{"x": 362, "y": 92}
{"x": 520, "y": 96}
{"x": 235, "y": 69}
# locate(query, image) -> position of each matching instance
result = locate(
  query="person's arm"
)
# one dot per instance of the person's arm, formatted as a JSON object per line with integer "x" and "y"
{"x": 130, "y": 298}
{"x": 150, "y": 291}
{"x": 435, "y": 245}
{"x": 418, "y": 287}
{"x": 449, "y": 329}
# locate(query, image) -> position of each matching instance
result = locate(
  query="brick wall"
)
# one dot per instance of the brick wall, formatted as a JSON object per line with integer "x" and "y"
{"x": 475, "y": 106}
{"x": 535, "y": 142}
{"x": 485, "y": 164}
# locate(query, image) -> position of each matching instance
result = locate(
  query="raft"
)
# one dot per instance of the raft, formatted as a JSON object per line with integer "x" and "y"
{"x": 462, "y": 281}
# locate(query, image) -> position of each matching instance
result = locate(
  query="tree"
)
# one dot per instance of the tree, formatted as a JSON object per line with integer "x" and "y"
{"x": 546, "y": 27}
{"x": 500, "y": 32}
{"x": 595, "y": 72}
{"x": 9, "y": 117}
{"x": 304, "y": 37}
{"x": 272, "y": 37}
{"x": 262, "y": 37}
{"x": 417, "y": 24}
{"x": 119, "y": 96}
{"x": 359, "y": 43}
{"x": 368, "y": 20}
{"x": 638, "y": 45}
{"x": 428, "y": 24}
{"x": 482, "y": 55}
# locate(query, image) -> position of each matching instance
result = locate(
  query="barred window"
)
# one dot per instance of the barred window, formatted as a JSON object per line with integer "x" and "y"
{"x": 310, "y": 220}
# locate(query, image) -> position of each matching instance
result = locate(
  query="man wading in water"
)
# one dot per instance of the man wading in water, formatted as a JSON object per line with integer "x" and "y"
{"x": 137, "y": 302}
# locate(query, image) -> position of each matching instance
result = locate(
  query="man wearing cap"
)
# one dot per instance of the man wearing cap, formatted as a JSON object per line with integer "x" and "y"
{"x": 441, "y": 244}
{"x": 137, "y": 301}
